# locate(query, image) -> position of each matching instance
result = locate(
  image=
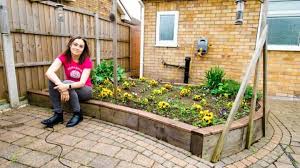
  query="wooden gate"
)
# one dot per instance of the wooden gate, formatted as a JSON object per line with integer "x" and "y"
{"x": 135, "y": 32}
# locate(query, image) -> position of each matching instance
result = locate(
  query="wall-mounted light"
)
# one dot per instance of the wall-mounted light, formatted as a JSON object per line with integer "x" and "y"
{"x": 240, "y": 5}
{"x": 60, "y": 13}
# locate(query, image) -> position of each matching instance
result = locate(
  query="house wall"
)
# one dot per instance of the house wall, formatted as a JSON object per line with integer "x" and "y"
{"x": 230, "y": 46}
{"x": 284, "y": 73}
{"x": 102, "y": 6}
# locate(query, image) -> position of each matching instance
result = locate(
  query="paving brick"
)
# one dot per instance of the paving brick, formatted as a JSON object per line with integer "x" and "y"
{"x": 92, "y": 137}
{"x": 127, "y": 155}
{"x": 104, "y": 161}
{"x": 85, "y": 144}
{"x": 178, "y": 161}
{"x": 13, "y": 152}
{"x": 67, "y": 140}
{"x": 35, "y": 159}
{"x": 80, "y": 133}
{"x": 283, "y": 165}
{"x": 124, "y": 164}
{"x": 56, "y": 150}
{"x": 157, "y": 158}
{"x": 202, "y": 165}
{"x": 169, "y": 164}
{"x": 40, "y": 145}
{"x": 80, "y": 156}
{"x": 25, "y": 141}
{"x": 143, "y": 161}
{"x": 11, "y": 164}
{"x": 33, "y": 131}
{"x": 105, "y": 149}
{"x": 11, "y": 137}
{"x": 55, "y": 163}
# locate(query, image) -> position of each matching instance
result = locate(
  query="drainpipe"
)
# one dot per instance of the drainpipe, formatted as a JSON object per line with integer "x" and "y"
{"x": 142, "y": 12}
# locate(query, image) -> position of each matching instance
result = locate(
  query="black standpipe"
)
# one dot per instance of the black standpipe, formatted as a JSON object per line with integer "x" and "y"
{"x": 187, "y": 69}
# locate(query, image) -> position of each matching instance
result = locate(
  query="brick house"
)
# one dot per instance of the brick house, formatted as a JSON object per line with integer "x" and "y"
{"x": 230, "y": 46}
{"x": 103, "y": 7}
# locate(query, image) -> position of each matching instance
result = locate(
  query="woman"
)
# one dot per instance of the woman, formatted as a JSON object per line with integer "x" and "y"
{"x": 77, "y": 86}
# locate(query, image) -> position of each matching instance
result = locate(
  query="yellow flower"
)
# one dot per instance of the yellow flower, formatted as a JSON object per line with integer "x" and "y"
{"x": 229, "y": 105}
{"x": 142, "y": 79}
{"x": 197, "y": 107}
{"x": 196, "y": 97}
{"x": 203, "y": 102}
{"x": 163, "y": 105}
{"x": 185, "y": 92}
{"x": 127, "y": 96}
{"x": 107, "y": 82}
{"x": 210, "y": 115}
{"x": 105, "y": 93}
{"x": 168, "y": 86}
{"x": 153, "y": 82}
{"x": 133, "y": 84}
{"x": 163, "y": 89}
{"x": 144, "y": 101}
{"x": 126, "y": 85}
{"x": 207, "y": 119}
{"x": 156, "y": 92}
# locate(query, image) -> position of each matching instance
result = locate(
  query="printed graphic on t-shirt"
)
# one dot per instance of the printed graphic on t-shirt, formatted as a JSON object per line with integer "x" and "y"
{"x": 75, "y": 72}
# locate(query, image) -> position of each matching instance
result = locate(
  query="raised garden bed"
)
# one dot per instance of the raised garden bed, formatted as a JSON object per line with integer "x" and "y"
{"x": 200, "y": 141}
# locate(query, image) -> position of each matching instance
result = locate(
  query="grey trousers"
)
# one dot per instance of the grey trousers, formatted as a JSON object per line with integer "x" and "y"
{"x": 76, "y": 95}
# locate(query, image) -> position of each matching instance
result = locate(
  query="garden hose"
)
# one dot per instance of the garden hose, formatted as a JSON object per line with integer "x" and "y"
{"x": 61, "y": 148}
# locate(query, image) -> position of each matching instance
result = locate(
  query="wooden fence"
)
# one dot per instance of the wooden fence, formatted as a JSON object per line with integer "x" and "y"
{"x": 40, "y": 31}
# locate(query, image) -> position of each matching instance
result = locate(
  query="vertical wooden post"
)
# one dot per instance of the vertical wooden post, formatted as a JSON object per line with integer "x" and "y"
{"x": 265, "y": 73}
{"x": 8, "y": 56}
{"x": 115, "y": 45}
{"x": 97, "y": 38}
{"x": 220, "y": 144}
{"x": 249, "y": 135}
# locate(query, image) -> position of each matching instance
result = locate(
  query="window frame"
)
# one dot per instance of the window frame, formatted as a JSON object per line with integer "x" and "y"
{"x": 278, "y": 14}
{"x": 167, "y": 43}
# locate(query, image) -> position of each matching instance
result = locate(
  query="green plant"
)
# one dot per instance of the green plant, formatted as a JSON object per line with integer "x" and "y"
{"x": 214, "y": 76}
{"x": 104, "y": 71}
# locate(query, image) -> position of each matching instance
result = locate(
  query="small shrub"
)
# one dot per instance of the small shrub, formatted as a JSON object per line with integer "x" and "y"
{"x": 104, "y": 71}
{"x": 214, "y": 76}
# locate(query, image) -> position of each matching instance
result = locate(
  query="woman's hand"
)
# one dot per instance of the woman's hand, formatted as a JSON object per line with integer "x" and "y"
{"x": 62, "y": 87}
{"x": 64, "y": 96}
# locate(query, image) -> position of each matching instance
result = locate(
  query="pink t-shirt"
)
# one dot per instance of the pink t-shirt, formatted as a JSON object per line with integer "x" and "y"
{"x": 73, "y": 70}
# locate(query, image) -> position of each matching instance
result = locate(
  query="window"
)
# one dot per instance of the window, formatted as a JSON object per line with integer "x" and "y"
{"x": 166, "y": 28}
{"x": 284, "y": 25}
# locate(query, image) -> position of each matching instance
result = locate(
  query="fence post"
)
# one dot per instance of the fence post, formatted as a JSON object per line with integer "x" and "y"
{"x": 97, "y": 38}
{"x": 113, "y": 18}
{"x": 8, "y": 56}
{"x": 250, "y": 127}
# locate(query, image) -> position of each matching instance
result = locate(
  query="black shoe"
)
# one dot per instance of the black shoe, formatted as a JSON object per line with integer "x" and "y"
{"x": 55, "y": 119}
{"x": 77, "y": 117}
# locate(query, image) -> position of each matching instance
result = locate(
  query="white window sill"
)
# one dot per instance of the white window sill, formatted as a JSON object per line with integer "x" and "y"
{"x": 283, "y": 48}
{"x": 167, "y": 45}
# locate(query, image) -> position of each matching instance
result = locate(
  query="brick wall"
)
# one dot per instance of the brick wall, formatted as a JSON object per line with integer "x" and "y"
{"x": 230, "y": 46}
{"x": 284, "y": 73}
{"x": 103, "y": 7}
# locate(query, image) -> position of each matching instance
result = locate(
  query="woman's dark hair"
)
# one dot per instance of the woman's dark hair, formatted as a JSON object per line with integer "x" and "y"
{"x": 85, "y": 53}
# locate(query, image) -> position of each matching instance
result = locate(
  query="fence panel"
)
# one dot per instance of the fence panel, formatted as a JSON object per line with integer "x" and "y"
{"x": 39, "y": 37}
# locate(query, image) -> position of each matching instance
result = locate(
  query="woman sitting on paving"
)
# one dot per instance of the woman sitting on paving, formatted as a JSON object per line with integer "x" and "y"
{"x": 77, "y": 86}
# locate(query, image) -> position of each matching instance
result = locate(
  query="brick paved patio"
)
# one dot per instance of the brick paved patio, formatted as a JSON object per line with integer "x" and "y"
{"x": 95, "y": 143}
